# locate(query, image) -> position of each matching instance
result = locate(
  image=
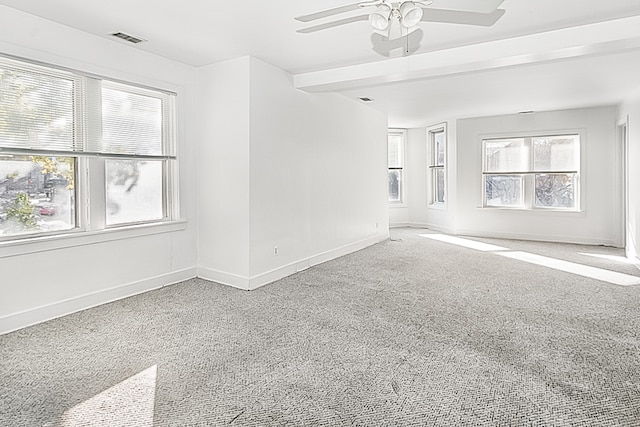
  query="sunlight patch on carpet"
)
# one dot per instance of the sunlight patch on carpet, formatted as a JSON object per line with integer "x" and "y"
{"x": 129, "y": 403}
{"x": 574, "y": 268}
{"x": 471, "y": 244}
{"x": 557, "y": 264}
{"x": 615, "y": 258}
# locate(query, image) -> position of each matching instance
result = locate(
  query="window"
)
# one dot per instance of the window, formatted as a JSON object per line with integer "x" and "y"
{"x": 437, "y": 140}
{"x": 37, "y": 193}
{"x": 540, "y": 172}
{"x": 396, "y": 144}
{"x": 58, "y": 128}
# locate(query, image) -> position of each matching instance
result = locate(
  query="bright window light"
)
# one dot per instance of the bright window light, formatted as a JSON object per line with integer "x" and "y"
{"x": 620, "y": 259}
{"x": 557, "y": 264}
{"x": 471, "y": 244}
{"x": 579, "y": 269}
{"x": 538, "y": 172}
{"x": 129, "y": 403}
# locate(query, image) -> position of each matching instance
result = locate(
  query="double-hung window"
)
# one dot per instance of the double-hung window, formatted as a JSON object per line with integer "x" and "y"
{"x": 396, "y": 143}
{"x": 538, "y": 172}
{"x": 138, "y": 140}
{"x": 82, "y": 153}
{"x": 437, "y": 152}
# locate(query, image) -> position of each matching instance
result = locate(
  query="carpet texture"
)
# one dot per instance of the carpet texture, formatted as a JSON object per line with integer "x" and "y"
{"x": 408, "y": 332}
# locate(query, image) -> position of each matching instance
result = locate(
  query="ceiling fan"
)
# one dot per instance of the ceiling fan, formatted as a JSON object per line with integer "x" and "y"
{"x": 395, "y": 19}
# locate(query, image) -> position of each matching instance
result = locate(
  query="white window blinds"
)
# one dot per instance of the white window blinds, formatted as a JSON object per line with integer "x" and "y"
{"x": 37, "y": 108}
{"x": 135, "y": 121}
{"x": 50, "y": 110}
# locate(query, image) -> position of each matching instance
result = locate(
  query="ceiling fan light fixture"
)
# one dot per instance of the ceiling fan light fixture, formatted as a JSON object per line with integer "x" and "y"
{"x": 379, "y": 19}
{"x": 410, "y": 14}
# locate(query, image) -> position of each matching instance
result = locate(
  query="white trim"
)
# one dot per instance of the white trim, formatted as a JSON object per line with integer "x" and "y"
{"x": 398, "y": 224}
{"x": 57, "y": 309}
{"x": 423, "y": 225}
{"x": 433, "y": 227}
{"x": 37, "y": 244}
{"x": 291, "y": 268}
{"x": 224, "y": 278}
{"x": 553, "y": 238}
{"x": 438, "y": 206}
{"x": 262, "y": 279}
{"x": 622, "y": 184}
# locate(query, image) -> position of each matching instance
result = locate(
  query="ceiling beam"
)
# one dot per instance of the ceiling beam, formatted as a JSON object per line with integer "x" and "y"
{"x": 602, "y": 38}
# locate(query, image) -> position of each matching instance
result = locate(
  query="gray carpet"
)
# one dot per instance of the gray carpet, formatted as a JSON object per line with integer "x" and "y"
{"x": 407, "y": 332}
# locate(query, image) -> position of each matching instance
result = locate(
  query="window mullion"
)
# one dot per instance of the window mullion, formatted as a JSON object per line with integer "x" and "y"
{"x": 96, "y": 194}
{"x": 529, "y": 179}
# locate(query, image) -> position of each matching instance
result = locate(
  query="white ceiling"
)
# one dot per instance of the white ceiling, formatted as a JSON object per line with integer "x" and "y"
{"x": 584, "y": 82}
{"x": 201, "y": 32}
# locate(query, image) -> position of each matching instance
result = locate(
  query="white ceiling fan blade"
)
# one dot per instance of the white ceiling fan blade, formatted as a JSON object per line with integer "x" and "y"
{"x": 331, "y": 12}
{"x": 478, "y": 6}
{"x": 460, "y": 17}
{"x": 333, "y": 24}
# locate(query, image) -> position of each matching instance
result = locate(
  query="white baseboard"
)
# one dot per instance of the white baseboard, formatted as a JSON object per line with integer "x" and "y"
{"x": 398, "y": 224}
{"x": 302, "y": 264}
{"x": 51, "y": 311}
{"x": 256, "y": 281}
{"x": 432, "y": 227}
{"x": 224, "y": 278}
{"x": 428, "y": 226}
{"x": 553, "y": 238}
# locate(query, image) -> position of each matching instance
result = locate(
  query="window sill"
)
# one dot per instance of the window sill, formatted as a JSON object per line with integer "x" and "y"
{"x": 437, "y": 206}
{"x": 80, "y": 238}
{"x": 397, "y": 205}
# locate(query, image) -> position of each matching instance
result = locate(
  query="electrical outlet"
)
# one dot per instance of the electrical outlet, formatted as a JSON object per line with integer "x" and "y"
{"x": 275, "y": 251}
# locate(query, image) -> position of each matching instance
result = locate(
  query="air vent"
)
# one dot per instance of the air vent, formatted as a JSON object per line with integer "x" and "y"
{"x": 127, "y": 37}
{"x": 365, "y": 99}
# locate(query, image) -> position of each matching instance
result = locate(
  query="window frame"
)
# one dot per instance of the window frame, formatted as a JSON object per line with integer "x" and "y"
{"x": 90, "y": 181}
{"x": 402, "y": 133}
{"x": 433, "y": 166}
{"x": 528, "y": 186}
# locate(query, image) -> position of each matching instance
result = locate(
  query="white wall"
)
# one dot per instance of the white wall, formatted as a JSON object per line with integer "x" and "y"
{"x": 45, "y": 280}
{"x": 316, "y": 171}
{"x": 600, "y": 220}
{"x": 630, "y": 110}
{"x": 223, "y": 170}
